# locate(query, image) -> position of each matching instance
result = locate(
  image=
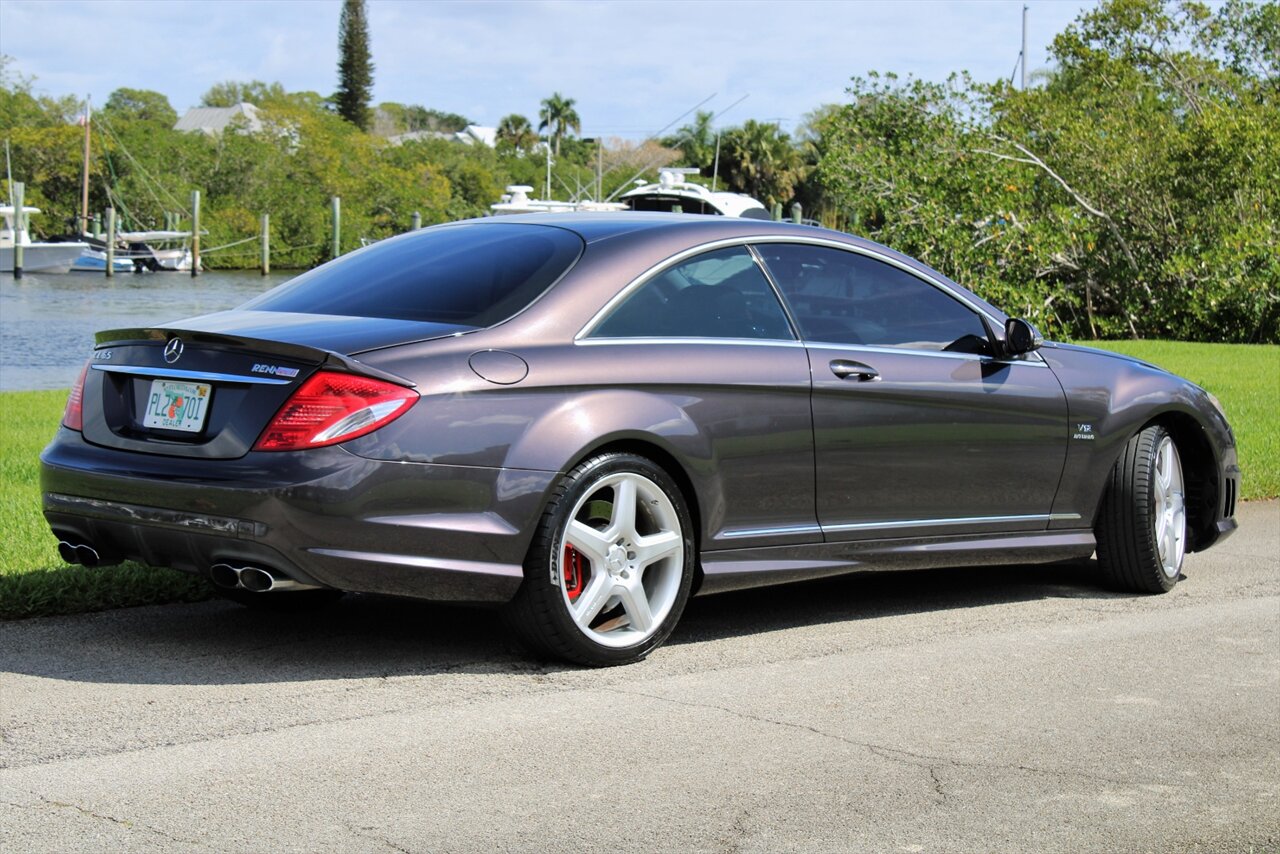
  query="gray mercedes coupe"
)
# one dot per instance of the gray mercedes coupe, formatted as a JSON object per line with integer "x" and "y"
{"x": 585, "y": 419}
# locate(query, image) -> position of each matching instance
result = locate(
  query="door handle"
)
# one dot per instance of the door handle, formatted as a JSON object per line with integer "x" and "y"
{"x": 845, "y": 368}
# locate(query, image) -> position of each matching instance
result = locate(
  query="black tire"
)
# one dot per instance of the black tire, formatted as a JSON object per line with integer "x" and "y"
{"x": 1141, "y": 526}
{"x": 281, "y": 602}
{"x": 609, "y": 590}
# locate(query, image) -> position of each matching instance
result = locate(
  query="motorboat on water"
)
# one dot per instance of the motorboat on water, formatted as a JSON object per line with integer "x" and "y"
{"x": 135, "y": 251}
{"x": 161, "y": 250}
{"x": 670, "y": 194}
{"x": 37, "y": 257}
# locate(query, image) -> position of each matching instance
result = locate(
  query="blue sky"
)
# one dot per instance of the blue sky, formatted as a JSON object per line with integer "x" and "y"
{"x": 633, "y": 67}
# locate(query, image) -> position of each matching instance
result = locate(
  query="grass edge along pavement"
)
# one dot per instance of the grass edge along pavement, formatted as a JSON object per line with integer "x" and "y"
{"x": 33, "y": 579}
{"x": 35, "y": 582}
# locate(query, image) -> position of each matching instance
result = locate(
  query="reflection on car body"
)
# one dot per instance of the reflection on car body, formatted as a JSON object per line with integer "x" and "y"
{"x": 585, "y": 419}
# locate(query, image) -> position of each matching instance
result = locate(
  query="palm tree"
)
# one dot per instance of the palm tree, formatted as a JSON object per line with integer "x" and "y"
{"x": 558, "y": 116}
{"x": 514, "y": 130}
{"x": 696, "y": 141}
{"x": 760, "y": 160}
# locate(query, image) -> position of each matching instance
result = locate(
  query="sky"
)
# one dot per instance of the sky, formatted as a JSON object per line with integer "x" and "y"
{"x": 633, "y": 68}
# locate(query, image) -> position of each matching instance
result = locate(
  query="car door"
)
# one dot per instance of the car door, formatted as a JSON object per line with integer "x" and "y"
{"x": 919, "y": 430}
{"x": 707, "y": 345}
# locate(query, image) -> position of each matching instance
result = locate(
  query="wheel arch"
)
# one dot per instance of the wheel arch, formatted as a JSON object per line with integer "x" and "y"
{"x": 669, "y": 463}
{"x": 1199, "y": 472}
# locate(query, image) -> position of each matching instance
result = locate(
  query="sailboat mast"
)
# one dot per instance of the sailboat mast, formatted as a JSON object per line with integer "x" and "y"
{"x": 84, "y": 182}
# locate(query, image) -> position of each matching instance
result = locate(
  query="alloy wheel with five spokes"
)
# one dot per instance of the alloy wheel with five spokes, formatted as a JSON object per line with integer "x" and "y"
{"x": 611, "y": 567}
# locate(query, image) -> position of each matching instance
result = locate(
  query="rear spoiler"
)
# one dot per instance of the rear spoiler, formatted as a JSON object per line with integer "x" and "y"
{"x": 327, "y": 359}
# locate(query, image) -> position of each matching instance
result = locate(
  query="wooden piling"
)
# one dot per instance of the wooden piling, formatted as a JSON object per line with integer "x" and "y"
{"x": 19, "y": 217}
{"x": 111, "y": 243}
{"x": 195, "y": 233}
{"x": 336, "y": 249}
{"x": 97, "y": 226}
{"x": 266, "y": 244}
{"x": 415, "y": 221}
{"x": 797, "y": 213}
{"x": 777, "y": 211}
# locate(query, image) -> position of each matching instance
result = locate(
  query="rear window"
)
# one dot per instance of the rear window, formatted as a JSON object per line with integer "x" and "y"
{"x": 469, "y": 275}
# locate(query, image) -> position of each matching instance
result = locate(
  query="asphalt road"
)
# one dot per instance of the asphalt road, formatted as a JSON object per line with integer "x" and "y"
{"x": 1017, "y": 709}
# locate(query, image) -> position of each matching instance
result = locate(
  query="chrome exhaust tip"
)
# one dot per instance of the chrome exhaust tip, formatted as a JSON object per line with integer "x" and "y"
{"x": 81, "y": 553}
{"x": 224, "y": 575}
{"x": 255, "y": 579}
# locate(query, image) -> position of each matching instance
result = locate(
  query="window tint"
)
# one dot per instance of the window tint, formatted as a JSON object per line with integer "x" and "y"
{"x": 470, "y": 275}
{"x": 721, "y": 294}
{"x": 842, "y": 297}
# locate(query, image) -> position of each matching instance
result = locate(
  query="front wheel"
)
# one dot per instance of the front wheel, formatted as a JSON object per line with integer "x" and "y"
{"x": 1142, "y": 525}
{"x": 611, "y": 564}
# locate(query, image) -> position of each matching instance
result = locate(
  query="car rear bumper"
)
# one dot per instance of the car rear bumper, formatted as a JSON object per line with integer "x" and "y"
{"x": 324, "y": 517}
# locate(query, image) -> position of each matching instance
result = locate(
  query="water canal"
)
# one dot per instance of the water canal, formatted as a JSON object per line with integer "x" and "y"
{"x": 47, "y": 322}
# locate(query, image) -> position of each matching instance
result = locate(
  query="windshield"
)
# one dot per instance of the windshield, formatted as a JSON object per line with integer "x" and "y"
{"x": 474, "y": 275}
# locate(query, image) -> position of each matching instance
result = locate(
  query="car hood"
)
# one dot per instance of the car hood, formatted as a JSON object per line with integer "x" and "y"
{"x": 338, "y": 334}
{"x": 1094, "y": 351}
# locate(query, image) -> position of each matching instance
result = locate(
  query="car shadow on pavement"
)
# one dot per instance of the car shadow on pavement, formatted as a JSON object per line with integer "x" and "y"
{"x": 871, "y": 595}
{"x": 360, "y": 637}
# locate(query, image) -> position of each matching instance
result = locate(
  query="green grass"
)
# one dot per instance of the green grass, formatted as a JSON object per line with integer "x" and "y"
{"x": 35, "y": 582}
{"x": 33, "y": 579}
{"x": 1246, "y": 378}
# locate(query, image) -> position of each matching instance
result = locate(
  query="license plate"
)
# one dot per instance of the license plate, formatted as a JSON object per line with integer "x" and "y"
{"x": 177, "y": 405}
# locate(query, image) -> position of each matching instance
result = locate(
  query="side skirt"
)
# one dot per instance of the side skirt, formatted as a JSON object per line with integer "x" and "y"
{"x": 738, "y": 569}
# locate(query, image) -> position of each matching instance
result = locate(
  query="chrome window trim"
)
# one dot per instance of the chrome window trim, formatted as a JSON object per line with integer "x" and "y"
{"x": 670, "y": 261}
{"x": 877, "y": 256}
{"x": 759, "y": 342}
{"x": 750, "y": 241}
{"x": 174, "y": 373}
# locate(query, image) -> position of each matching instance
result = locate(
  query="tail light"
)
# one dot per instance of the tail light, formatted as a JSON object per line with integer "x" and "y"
{"x": 332, "y": 407}
{"x": 73, "y": 415}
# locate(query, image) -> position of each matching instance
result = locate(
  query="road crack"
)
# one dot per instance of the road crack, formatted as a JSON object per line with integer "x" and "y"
{"x": 122, "y": 822}
{"x": 896, "y": 754}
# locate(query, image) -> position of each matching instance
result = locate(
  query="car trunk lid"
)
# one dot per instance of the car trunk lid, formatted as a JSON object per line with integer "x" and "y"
{"x": 207, "y": 387}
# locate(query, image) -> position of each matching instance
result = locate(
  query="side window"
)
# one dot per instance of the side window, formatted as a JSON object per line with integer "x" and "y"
{"x": 841, "y": 297}
{"x": 720, "y": 294}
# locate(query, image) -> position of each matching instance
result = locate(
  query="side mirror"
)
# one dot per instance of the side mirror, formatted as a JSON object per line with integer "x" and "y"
{"x": 1020, "y": 337}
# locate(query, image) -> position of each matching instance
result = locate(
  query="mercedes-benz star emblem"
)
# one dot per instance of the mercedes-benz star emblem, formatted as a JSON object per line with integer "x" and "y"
{"x": 173, "y": 350}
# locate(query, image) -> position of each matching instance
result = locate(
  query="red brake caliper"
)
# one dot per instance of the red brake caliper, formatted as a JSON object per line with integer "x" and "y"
{"x": 573, "y": 572}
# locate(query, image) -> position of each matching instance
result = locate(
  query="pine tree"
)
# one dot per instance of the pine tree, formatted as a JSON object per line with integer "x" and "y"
{"x": 355, "y": 67}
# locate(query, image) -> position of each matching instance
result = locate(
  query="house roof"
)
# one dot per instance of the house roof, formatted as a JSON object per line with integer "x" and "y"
{"x": 214, "y": 120}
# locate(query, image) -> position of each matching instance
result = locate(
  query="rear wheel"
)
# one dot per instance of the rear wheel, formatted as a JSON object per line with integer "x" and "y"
{"x": 611, "y": 565}
{"x": 1142, "y": 525}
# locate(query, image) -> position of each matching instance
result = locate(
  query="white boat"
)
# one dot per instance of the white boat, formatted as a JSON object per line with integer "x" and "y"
{"x": 671, "y": 194}
{"x": 36, "y": 257}
{"x": 94, "y": 260}
{"x": 516, "y": 201}
{"x": 161, "y": 250}
{"x": 674, "y": 194}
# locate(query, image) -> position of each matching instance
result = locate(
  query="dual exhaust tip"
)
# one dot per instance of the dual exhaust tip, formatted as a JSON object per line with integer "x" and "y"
{"x": 253, "y": 578}
{"x": 84, "y": 554}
